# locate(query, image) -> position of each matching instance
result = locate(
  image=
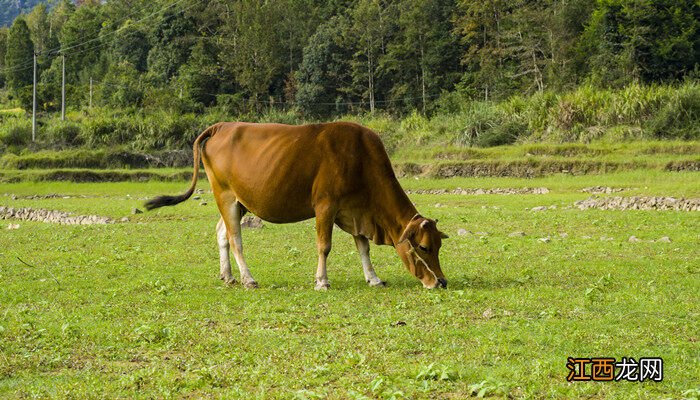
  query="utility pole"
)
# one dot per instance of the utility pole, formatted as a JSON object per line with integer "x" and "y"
{"x": 34, "y": 103}
{"x": 63, "y": 89}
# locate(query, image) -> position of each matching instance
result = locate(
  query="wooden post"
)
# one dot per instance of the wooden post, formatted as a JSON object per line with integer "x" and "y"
{"x": 63, "y": 90}
{"x": 34, "y": 103}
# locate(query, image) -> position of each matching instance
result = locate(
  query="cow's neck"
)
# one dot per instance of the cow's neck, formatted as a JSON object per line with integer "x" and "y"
{"x": 396, "y": 211}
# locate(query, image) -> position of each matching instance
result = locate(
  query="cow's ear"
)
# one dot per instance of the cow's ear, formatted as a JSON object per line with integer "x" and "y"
{"x": 408, "y": 233}
{"x": 443, "y": 235}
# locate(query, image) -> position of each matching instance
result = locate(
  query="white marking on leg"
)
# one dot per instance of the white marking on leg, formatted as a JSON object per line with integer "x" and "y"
{"x": 236, "y": 242}
{"x": 224, "y": 247}
{"x": 363, "y": 248}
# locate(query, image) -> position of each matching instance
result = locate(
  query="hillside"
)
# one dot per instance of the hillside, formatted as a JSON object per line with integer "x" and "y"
{"x": 10, "y": 9}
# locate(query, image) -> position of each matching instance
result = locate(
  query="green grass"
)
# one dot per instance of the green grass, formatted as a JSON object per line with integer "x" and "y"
{"x": 135, "y": 310}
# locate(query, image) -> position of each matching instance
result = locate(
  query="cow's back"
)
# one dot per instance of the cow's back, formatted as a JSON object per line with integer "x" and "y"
{"x": 279, "y": 171}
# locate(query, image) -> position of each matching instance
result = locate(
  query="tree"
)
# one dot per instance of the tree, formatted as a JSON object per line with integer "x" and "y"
{"x": 424, "y": 57}
{"x": 170, "y": 45}
{"x": 19, "y": 56}
{"x": 45, "y": 40}
{"x": 3, "y": 50}
{"x": 324, "y": 69}
{"x": 200, "y": 77}
{"x": 121, "y": 86}
{"x": 368, "y": 32}
{"x": 80, "y": 40}
{"x": 251, "y": 46}
{"x": 130, "y": 44}
{"x": 642, "y": 40}
{"x": 480, "y": 25}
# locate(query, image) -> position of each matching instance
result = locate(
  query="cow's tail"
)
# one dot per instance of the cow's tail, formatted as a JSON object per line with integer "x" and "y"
{"x": 161, "y": 201}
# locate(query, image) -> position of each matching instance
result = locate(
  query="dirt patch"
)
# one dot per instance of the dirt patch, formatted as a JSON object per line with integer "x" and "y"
{"x": 478, "y": 191}
{"x": 51, "y": 216}
{"x": 639, "y": 203}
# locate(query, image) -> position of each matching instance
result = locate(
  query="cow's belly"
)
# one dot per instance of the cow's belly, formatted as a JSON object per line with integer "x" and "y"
{"x": 280, "y": 195}
{"x": 276, "y": 207}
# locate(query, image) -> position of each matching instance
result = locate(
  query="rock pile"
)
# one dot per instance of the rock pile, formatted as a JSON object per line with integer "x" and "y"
{"x": 477, "y": 191}
{"x": 601, "y": 190}
{"x": 639, "y": 203}
{"x": 52, "y": 216}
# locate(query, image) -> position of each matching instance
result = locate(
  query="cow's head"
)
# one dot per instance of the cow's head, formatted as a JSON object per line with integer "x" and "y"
{"x": 418, "y": 248}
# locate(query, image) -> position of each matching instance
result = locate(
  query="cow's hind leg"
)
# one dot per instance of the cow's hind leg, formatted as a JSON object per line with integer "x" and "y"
{"x": 363, "y": 248}
{"x": 224, "y": 258}
{"x": 325, "y": 216}
{"x": 234, "y": 213}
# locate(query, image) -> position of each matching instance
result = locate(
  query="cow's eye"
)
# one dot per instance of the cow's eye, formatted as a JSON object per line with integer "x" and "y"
{"x": 423, "y": 248}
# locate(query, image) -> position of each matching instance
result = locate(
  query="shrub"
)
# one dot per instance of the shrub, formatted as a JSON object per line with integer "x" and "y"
{"x": 100, "y": 131}
{"x": 63, "y": 134}
{"x": 679, "y": 116}
{"x": 15, "y": 132}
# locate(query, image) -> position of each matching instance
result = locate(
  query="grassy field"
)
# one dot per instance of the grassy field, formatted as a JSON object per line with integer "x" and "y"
{"x": 135, "y": 309}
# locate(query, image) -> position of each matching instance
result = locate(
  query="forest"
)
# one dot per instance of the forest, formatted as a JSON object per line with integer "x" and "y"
{"x": 502, "y": 66}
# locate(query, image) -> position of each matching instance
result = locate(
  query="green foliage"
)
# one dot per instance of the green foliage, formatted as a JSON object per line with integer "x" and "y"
{"x": 18, "y": 56}
{"x": 3, "y": 51}
{"x": 323, "y": 65}
{"x": 121, "y": 86}
{"x": 644, "y": 40}
{"x": 63, "y": 134}
{"x": 15, "y": 132}
{"x": 106, "y": 131}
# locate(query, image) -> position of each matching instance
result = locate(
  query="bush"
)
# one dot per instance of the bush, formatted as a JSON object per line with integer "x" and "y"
{"x": 100, "y": 131}
{"x": 63, "y": 134}
{"x": 679, "y": 117}
{"x": 479, "y": 119}
{"x": 167, "y": 131}
{"x": 15, "y": 132}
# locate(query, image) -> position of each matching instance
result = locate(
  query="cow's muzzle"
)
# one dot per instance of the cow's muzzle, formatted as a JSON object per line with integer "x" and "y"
{"x": 441, "y": 283}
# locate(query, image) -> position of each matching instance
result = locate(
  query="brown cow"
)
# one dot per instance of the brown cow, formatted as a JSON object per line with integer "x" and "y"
{"x": 337, "y": 172}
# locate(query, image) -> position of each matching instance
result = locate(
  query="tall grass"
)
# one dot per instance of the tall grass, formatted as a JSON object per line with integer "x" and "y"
{"x": 584, "y": 115}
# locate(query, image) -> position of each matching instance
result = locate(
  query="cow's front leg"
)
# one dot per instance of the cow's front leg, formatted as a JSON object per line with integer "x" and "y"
{"x": 363, "y": 248}
{"x": 324, "y": 232}
{"x": 224, "y": 258}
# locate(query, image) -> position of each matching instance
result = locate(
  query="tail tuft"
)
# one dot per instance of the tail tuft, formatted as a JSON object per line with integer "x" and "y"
{"x": 162, "y": 201}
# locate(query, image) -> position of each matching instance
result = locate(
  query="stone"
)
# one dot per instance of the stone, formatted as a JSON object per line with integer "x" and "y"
{"x": 516, "y": 234}
{"x": 462, "y": 232}
{"x": 251, "y": 222}
{"x": 136, "y": 211}
{"x": 204, "y": 203}
{"x": 633, "y": 239}
{"x": 197, "y": 198}
{"x": 545, "y": 239}
{"x": 664, "y": 239}
{"x": 540, "y": 208}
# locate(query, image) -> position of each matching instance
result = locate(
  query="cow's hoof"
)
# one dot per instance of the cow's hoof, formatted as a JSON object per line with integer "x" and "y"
{"x": 322, "y": 286}
{"x": 229, "y": 280}
{"x": 251, "y": 285}
{"x": 377, "y": 283}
